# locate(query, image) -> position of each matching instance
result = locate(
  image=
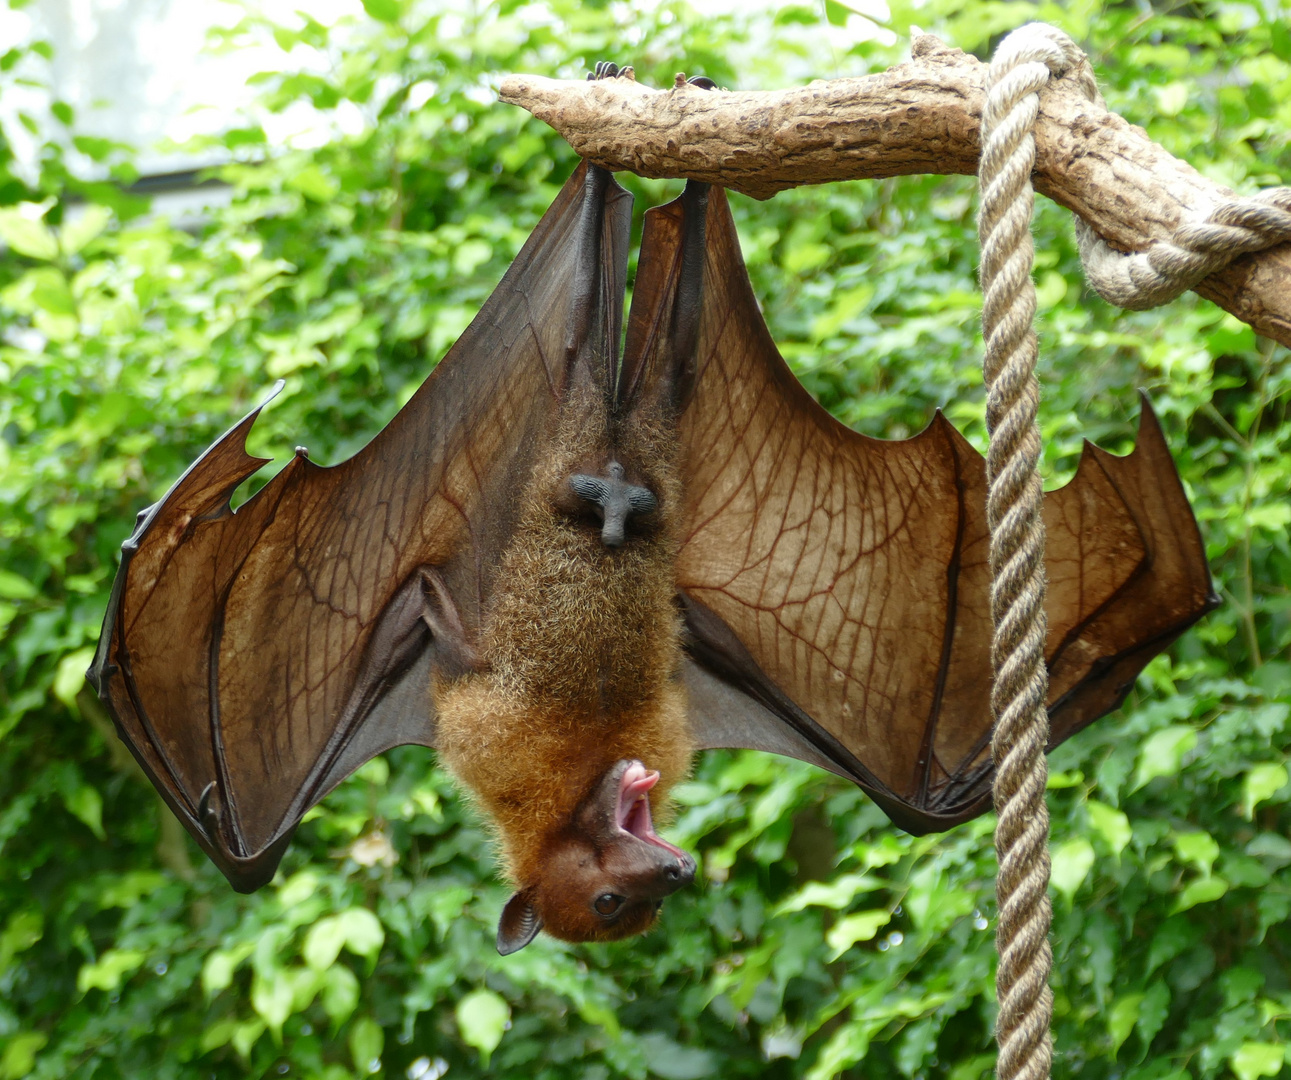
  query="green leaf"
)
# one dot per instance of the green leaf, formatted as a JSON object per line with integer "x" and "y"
{"x": 388, "y": 11}
{"x": 84, "y": 227}
{"x": 1197, "y": 849}
{"x": 218, "y": 969}
{"x": 323, "y": 943}
{"x": 70, "y": 677}
{"x": 23, "y": 230}
{"x": 1153, "y": 1011}
{"x": 1262, "y": 782}
{"x": 217, "y": 1035}
{"x": 376, "y": 771}
{"x": 1273, "y": 516}
{"x": 830, "y": 894}
{"x": 1255, "y": 1059}
{"x": 1202, "y": 891}
{"x": 313, "y": 183}
{"x": 271, "y": 997}
{"x": 50, "y": 291}
{"x": 340, "y": 993}
{"x": 95, "y": 148}
{"x": 113, "y": 966}
{"x": 298, "y": 888}
{"x": 1172, "y": 97}
{"x": 367, "y": 1040}
{"x": 850, "y": 929}
{"x": 15, "y": 587}
{"x": 973, "y": 1068}
{"x": 1050, "y": 290}
{"x": 20, "y": 1052}
{"x": 471, "y": 254}
{"x": 246, "y": 1035}
{"x": 362, "y": 930}
{"x": 1111, "y": 824}
{"x": 21, "y": 932}
{"x": 128, "y": 889}
{"x": 86, "y": 803}
{"x": 1070, "y": 864}
{"x": 936, "y": 900}
{"x": 1163, "y": 753}
{"x": 670, "y": 1060}
{"x": 1122, "y": 1017}
{"x": 482, "y": 1017}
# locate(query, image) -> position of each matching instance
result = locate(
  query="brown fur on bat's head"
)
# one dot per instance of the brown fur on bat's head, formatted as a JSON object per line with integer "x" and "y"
{"x": 605, "y": 874}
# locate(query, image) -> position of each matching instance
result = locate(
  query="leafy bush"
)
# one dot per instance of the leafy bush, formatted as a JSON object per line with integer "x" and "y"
{"x": 822, "y": 940}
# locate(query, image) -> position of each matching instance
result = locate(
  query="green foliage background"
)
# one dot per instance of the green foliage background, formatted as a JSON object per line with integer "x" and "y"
{"x": 821, "y": 941}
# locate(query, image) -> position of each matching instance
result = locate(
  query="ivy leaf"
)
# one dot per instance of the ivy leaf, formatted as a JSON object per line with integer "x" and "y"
{"x": 271, "y": 997}
{"x": 23, "y": 229}
{"x": 1202, "y": 891}
{"x": 323, "y": 943}
{"x": 15, "y": 586}
{"x": 1121, "y": 1019}
{"x": 86, "y": 804}
{"x": 362, "y": 930}
{"x": 482, "y": 1017}
{"x": 1255, "y": 1059}
{"x": 388, "y": 11}
{"x": 1163, "y": 753}
{"x": 1197, "y": 849}
{"x": 19, "y": 1057}
{"x": 1070, "y": 864}
{"x": 367, "y": 1040}
{"x": 1262, "y": 782}
{"x": 107, "y": 973}
{"x": 1111, "y": 824}
{"x": 340, "y": 993}
{"x": 850, "y": 929}
{"x": 830, "y": 894}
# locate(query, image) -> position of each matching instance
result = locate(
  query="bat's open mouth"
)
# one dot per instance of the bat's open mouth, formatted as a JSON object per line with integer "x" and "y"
{"x": 634, "y": 808}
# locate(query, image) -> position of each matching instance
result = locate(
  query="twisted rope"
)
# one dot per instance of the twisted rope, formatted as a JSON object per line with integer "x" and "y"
{"x": 1021, "y": 67}
{"x": 1146, "y": 279}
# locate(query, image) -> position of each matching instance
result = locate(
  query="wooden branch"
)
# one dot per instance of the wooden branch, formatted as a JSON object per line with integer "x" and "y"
{"x": 921, "y": 116}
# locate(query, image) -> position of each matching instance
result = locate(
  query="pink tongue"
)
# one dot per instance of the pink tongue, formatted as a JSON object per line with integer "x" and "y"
{"x": 636, "y": 782}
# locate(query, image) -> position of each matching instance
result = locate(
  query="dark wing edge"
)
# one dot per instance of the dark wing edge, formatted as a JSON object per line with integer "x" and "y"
{"x": 201, "y": 494}
{"x": 1098, "y": 644}
{"x": 192, "y": 564}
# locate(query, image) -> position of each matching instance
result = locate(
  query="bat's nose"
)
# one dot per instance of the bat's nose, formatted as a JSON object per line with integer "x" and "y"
{"x": 681, "y": 873}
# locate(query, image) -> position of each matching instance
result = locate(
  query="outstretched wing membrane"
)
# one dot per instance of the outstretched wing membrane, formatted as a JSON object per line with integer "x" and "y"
{"x": 837, "y": 586}
{"x": 253, "y": 659}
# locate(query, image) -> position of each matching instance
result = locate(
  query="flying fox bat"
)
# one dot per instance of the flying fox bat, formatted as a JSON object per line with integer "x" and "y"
{"x": 567, "y": 573}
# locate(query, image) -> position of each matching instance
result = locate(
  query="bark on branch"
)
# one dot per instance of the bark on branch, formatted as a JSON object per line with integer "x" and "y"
{"x": 922, "y": 116}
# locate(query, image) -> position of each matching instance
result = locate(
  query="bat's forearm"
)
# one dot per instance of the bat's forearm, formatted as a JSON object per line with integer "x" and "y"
{"x": 922, "y": 116}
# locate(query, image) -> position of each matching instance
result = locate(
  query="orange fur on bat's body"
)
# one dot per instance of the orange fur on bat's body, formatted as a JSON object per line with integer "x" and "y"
{"x": 580, "y": 646}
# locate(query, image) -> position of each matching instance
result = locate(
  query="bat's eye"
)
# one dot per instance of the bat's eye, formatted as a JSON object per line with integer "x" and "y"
{"x": 607, "y": 903}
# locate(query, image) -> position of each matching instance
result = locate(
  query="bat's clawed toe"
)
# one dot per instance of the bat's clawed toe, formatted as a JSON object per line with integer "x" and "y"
{"x": 607, "y": 69}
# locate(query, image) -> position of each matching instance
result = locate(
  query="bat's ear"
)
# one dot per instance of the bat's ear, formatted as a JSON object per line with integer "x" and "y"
{"x": 519, "y": 924}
